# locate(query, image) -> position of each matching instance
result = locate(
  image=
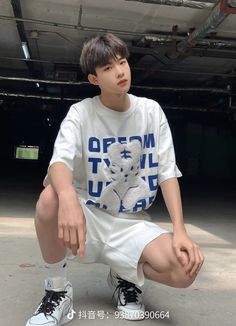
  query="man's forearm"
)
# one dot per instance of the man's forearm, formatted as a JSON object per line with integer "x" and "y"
{"x": 61, "y": 178}
{"x": 171, "y": 194}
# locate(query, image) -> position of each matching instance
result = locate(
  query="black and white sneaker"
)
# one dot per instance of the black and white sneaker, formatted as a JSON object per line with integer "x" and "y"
{"x": 128, "y": 297}
{"x": 56, "y": 307}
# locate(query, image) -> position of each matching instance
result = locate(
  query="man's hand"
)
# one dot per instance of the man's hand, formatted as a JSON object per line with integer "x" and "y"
{"x": 183, "y": 246}
{"x": 71, "y": 222}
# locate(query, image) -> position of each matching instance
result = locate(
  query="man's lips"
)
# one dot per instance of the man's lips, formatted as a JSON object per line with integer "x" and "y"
{"x": 123, "y": 81}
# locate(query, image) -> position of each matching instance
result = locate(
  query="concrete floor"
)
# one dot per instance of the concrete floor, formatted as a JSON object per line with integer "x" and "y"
{"x": 210, "y": 215}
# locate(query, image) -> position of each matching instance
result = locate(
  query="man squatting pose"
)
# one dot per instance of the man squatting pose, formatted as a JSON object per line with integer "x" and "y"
{"x": 111, "y": 154}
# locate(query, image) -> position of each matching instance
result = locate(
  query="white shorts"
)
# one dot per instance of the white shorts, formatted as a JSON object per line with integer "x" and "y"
{"x": 118, "y": 241}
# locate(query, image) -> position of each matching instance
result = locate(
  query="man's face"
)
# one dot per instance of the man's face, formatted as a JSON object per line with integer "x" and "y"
{"x": 113, "y": 78}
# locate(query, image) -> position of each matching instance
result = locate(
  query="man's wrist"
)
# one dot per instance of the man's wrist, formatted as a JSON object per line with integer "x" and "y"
{"x": 66, "y": 192}
{"x": 179, "y": 228}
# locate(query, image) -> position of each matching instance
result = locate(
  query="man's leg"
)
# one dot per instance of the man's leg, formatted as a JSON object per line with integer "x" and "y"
{"x": 56, "y": 306}
{"x": 160, "y": 263}
{"x": 52, "y": 249}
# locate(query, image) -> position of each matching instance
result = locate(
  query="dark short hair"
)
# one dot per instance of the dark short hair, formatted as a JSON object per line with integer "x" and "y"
{"x": 98, "y": 52}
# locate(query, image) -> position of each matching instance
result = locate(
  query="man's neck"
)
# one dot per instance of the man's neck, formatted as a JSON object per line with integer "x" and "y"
{"x": 119, "y": 103}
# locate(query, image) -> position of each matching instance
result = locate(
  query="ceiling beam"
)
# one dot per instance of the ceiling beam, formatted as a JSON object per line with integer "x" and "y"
{"x": 16, "y": 6}
{"x": 180, "y": 3}
{"x": 160, "y": 37}
{"x": 215, "y": 18}
{"x": 180, "y": 49}
{"x": 160, "y": 88}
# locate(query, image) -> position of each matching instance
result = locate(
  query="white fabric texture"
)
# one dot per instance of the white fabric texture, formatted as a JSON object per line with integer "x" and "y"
{"x": 117, "y": 241}
{"x": 117, "y": 158}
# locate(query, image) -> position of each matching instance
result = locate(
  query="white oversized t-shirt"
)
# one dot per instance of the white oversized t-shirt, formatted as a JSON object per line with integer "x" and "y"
{"x": 117, "y": 158}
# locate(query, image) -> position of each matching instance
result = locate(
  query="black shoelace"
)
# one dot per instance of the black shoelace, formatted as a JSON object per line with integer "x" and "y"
{"x": 129, "y": 290}
{"x": 50, "y": 301}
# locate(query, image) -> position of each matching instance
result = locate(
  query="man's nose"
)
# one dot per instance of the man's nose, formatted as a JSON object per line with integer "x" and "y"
{"x": 119, "y": 71}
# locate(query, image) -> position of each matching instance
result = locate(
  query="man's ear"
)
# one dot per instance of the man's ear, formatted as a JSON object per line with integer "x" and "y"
{"x": 92, "y": 79}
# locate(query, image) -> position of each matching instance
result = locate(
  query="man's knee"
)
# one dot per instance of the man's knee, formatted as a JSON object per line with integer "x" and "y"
{"x": 182, "y": 280}
{"x": 47, "y": 205}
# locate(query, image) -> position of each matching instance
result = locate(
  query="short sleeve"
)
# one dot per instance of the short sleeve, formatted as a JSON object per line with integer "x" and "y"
{"x": 68, "y": 144}
{"x": 167, "y": 167}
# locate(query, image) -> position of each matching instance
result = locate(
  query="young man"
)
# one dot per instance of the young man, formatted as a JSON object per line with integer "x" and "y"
{"x": 110, "y": 155}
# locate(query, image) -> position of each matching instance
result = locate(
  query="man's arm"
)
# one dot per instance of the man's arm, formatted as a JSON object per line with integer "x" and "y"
{"x": 71, "y": 222}
{"x": 181, "y": 241}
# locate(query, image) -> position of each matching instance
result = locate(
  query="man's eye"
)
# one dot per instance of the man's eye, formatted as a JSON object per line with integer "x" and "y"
{"x": 107, "y": 68}
{"x": 123, "y": 62}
